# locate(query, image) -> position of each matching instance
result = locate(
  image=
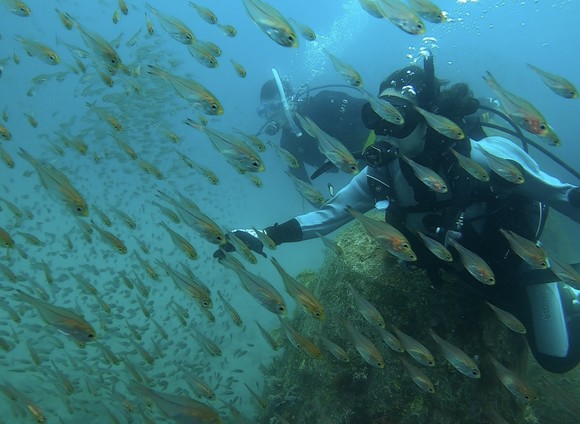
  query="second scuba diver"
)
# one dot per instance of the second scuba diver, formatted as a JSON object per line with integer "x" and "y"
{"x": 335, "y": 112}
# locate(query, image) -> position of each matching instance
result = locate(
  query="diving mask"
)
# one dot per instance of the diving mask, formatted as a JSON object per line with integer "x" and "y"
{"x": 269, "y": 108}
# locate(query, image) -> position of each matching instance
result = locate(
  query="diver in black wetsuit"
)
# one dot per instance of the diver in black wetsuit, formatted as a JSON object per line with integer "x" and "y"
{"x": 335, "y": 112}
{"x": 471, "y": 211}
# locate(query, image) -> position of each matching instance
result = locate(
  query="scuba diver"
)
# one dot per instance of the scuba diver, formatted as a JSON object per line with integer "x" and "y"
{"x": 470, "y": 211}
{"x": 335, "y": 112}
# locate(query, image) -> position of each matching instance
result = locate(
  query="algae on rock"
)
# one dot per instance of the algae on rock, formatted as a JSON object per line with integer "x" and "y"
{"x": 305, "y": 390}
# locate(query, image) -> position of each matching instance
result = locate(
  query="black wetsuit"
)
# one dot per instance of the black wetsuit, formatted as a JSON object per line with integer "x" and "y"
{"x": 336, "y": 113}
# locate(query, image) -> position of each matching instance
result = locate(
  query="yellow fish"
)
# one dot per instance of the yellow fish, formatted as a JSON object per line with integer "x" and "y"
{"x": 559, "y": 85}
{"x": 111, "y": 239}
{"x": 17, "y": 7}
{"x": 333, "y": 149}
{"x": 456, "y": 357}
{"x": 471, "y": 166}
{"x": 123, "y": 7}
{"x": 512, "y": 382}
{"x": 299, "y": 341}
{"x": 305, "y": 31}
{"x": 4, "y": 133}
{"x": 300, "y": 293}
{"x": 268, "y": 337}
{"x": 418, "y": 377}
{"x": 150, "y": 27}
{"x": 415, "y": 348}
{"x": 264, "y": 293}
{"x": 197, "y": 220}
{"x": 179, "y": 408}
{"x": 436, "y": 248}
{"x": 190, "y": 285}
{"x": 235, "y": 316}
{"x": 509, "y": 320}
{"x": 367, "y": 350}
{"x": 56, "y": 183}
{"x": 66, "y": 19}
{"x": 240, "y": 70}
{"x": 384, "y": 108}
{"x": 106, "y": 116}
{"x": 474, "y": 264}
{"x": 203, "y": 55}
{"x": 336, "y": 351}
{"x": 371, "y": 7}
{"x": 427, "y": 176}
{"x": 527, "y": 250}
{"x": 213, "y": 47}
{"x": 199, "y": 387}
{"x": 174, "y": 26}
{"x": 308, "y": 191}
{"x": 235, "y": 151}
{"x": 106, "y": 53}
{"x": 65, "y": 320}
{"x": 228, "y": 30}
{"x": 402, "y": 16}
{"x": 346, "y": 71}
{"x": 520, "y": 110}
{"x": 6, "y": 158}
{"x": 5, "y": 239}
{"x": 271, "y": 22}
{"x": 387, "y": 235}
{"x": 181, "y": 242}
{"x": 429, "y": 11}
{"x": 285, "y": 155}
{"x": 193, "y": 92}
{"x": 366, "y": 308}
{"x": 442, "y": 125}
{"x": 205, "y": 14}
{"x": 41, "y": 51}
{"x": 503, "y": 167}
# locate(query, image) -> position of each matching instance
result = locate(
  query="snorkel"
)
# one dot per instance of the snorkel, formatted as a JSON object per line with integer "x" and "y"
{"x": 287, "y": 109}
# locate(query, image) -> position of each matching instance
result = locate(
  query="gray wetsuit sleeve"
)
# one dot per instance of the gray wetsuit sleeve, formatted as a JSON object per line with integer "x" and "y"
{"x": 538, "y": 185}
{"x": 333, "y": 215}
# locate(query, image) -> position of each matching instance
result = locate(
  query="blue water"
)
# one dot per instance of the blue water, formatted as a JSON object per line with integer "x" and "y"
{"x": 496, "y": 36}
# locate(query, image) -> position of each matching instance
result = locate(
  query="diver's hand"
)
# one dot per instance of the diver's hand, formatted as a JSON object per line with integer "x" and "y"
{"x": 249, "y": 237}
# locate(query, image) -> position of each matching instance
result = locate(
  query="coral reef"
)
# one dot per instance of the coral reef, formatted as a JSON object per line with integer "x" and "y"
{"x": 301, "y": 389}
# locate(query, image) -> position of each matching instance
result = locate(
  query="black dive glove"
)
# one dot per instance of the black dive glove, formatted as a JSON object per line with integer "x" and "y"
{"x": 574, "y": 197}
{"x": 289, "y": 231}
{"x": 248, "y": 237}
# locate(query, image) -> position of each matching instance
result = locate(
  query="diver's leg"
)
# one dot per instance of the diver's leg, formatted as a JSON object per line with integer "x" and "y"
{"x": 553, "y": 327}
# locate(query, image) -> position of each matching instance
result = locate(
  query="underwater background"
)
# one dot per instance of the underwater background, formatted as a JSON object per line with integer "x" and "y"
{"x": 73, "y": 384}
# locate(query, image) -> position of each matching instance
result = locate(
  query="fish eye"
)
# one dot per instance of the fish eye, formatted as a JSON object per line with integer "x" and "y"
{"x": 213, "y": 106}
{"x": 281, "y": 308}
{"x": 79, "y": 209}
{"x": 90, "y": 335}
{"x": 405, "y": 245}
{"x": 113, "y": 61}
